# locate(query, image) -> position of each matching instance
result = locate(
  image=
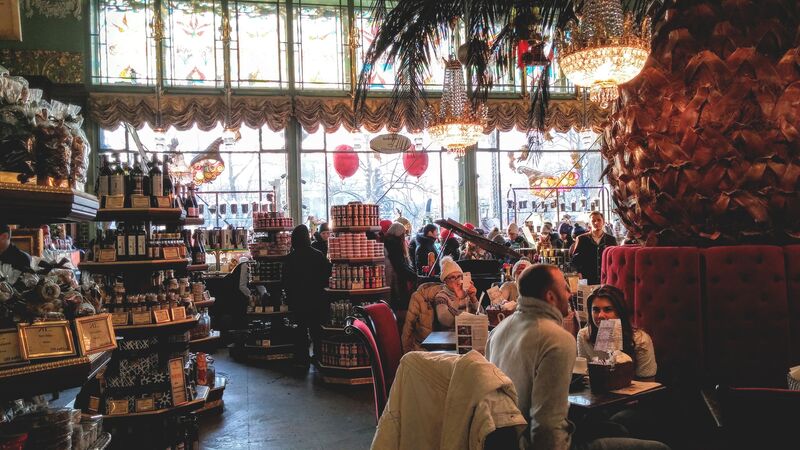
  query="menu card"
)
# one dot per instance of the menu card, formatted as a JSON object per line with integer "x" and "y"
{"x": 472, "y": 331}
{"x": 609, "y": 336}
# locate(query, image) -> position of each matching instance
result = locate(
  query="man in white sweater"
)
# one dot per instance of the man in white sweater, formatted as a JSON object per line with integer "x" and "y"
{"x": 537, "y": 353}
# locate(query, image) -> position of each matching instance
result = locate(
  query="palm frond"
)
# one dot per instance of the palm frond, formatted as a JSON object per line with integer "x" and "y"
{"x": 408, "y": 33}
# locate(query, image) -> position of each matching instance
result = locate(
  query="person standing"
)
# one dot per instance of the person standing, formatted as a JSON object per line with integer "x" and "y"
{"x": 450, "y": 243}
{"x": 305, "y": 276}
{"x": 587, "y": 256}
{"x": 426, "y": 240}
{"x": 400, "y": 277}
{"x": 10, "y": 253}
{"x": 321, "y": 239}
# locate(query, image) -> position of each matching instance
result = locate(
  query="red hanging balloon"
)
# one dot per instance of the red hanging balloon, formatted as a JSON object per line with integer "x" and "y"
{"x": 345, "y": 161}
{"x": 415, "y": 163}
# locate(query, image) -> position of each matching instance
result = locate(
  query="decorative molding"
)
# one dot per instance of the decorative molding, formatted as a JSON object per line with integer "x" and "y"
{"x": 58, "y": 67}
{"x": 53, "y": 9}
{"x": 109, "y": 110}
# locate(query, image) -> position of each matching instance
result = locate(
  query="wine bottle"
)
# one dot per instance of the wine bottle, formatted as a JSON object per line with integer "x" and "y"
{"x": 117, "y": 180}
{"x": 156, "y": 179}
{"x": 141, "y": 243}
{"x": 192, "y": 209}
{"x": 137, "y": 177}
{"x": 130, "y": 239}
{"x": 103, "y": 179}
{"x": 121, "y": 244}
{"x": 167, "y": 178}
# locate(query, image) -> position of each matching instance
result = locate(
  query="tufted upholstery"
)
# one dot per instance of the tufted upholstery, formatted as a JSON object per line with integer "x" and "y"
{"x": 669, "y": 307}
{"x": 792, "y": 256}
{"x": 747, "y": 332}
{"x": 619, "y": 267}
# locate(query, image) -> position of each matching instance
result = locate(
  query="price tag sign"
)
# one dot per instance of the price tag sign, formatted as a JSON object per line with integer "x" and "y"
{"x": 10, "y": 352}
{"x": 163, "y": 201}
{"x": 46, "y": 339}
{"x": 94, "y": 404}
{"x": 178, "y": 313}
{"x": 115, "y": 202}
{"x": 142, "y": 318}
{"x": 145, "y": 404}
{"x": 117, "y": 407}
{"x": 95, "y": 334}
{"x": 177, "y": 381}
{"x": 140, "y": 201}
{"x": 106, "y": 255}
{"x": 120, "y": 319}
{"x": 162, "y": 315}
{"x": 171, "y": 253}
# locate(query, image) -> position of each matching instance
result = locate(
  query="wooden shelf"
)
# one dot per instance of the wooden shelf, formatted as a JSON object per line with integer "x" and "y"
{"x": 175, "y": 327}
{"x": 269, "y": 257}
{"x": 382, "y": 290}
{"x": 154, "y": 215}
{"x": 272, "y": 313}
{"x": 52, "y": 376}
{"x": 347, "y": 381}
{"x": 210, "y": 338}
{"x": 193, "y": 221}
{"x": 150, "y": 264}
{"x": 324, "y": 366}
{"x": 357, "y": 260}
{"x": 271, "y": 229}
{"x": 197, "y": 267}
{"x": 29, "y": 204}
{"x": 375, "y": 228}
{"x": 197, "y": 403}
{"x": 205, "y": 303}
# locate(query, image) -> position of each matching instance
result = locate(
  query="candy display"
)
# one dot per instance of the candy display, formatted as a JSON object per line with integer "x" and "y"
{"x": 355, "y": 215}
{"x": 267, "y": 271}
{"x": 343, "y": 354}
{"x": 40, "y": 138}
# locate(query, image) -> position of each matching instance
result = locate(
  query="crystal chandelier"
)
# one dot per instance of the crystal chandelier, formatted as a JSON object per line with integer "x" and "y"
{"x": 604, "y": 50}
{"x": 457, "y": 125}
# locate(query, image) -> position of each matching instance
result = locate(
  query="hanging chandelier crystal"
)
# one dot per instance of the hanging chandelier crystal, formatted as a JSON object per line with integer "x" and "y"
{"x": 604, "y": 50}
{"x": 457, "y": 125}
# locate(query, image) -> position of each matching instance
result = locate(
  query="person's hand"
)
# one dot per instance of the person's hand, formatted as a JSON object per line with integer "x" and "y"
{"x": 471, "y": 289}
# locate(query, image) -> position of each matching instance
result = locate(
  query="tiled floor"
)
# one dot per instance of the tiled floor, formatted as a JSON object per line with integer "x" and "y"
{"x": 275, "y": 406}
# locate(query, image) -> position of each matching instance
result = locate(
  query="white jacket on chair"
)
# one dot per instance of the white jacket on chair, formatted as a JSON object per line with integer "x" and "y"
{"x": 446, "y": 401}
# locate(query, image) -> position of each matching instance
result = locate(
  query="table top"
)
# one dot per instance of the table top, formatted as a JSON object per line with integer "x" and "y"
{"x": 584, "y": 398}
{"x": 440, "y": 340}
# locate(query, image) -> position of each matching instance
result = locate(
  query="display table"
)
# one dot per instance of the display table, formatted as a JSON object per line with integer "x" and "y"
{"x": 440, "y": 340}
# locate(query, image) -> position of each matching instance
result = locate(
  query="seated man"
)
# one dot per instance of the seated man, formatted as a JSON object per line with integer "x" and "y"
{"x": 10, "y": 253}
{"x": 535, "y": 351}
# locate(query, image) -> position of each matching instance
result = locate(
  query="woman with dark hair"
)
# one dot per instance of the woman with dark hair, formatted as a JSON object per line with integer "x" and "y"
{"x": 305, "y": 276}
{"x": 400, "y": 277}
{"x": 608, "y": 302}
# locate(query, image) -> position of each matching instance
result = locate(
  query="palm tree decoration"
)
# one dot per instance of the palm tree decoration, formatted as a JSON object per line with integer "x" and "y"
{"x": 495, "y": 31}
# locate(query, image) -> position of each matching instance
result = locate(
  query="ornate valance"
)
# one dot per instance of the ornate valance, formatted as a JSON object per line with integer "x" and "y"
{"x": 109, "y": 110}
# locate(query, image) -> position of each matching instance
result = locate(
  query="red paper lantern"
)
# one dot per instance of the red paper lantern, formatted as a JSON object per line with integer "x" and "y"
{"x": 345, "y": 161}
{"x": 415, "y": 163}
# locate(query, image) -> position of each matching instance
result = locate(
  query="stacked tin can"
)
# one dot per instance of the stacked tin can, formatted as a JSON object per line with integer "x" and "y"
{"x": 355, "y": 215}
{"x": 278, "y": 245}
{"x": 271, "y": 219}
{"x": 346, "y": 276}
{"x": 354, "y": 245}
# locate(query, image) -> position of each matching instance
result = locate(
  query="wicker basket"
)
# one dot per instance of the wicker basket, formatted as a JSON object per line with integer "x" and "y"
{"x": 604, "y": 378}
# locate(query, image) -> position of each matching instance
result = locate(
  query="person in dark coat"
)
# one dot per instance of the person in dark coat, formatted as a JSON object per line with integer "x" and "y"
{"x": 321, "y": 239}
{"x": 451, "y": 245}
{"x": 588, "y": 253}
{"x": 10, "y": 253}
{"x": 426, "y": 241}
{"x": 400, "y": 277}
{"x": 305, "y": 276}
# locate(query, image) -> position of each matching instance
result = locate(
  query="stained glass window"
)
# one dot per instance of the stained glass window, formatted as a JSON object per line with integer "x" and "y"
{"x": 258, "y": 44}
{"x": 320, "y": 38}
{"x": 123, "y": 42}
{"x": 193, "y": 44}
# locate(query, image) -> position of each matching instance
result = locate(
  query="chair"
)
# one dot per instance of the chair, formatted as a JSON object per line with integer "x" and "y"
{"x": 359, "y": 328}
{"x": 758, "y": 417}
{"x": 383, "y": 324}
